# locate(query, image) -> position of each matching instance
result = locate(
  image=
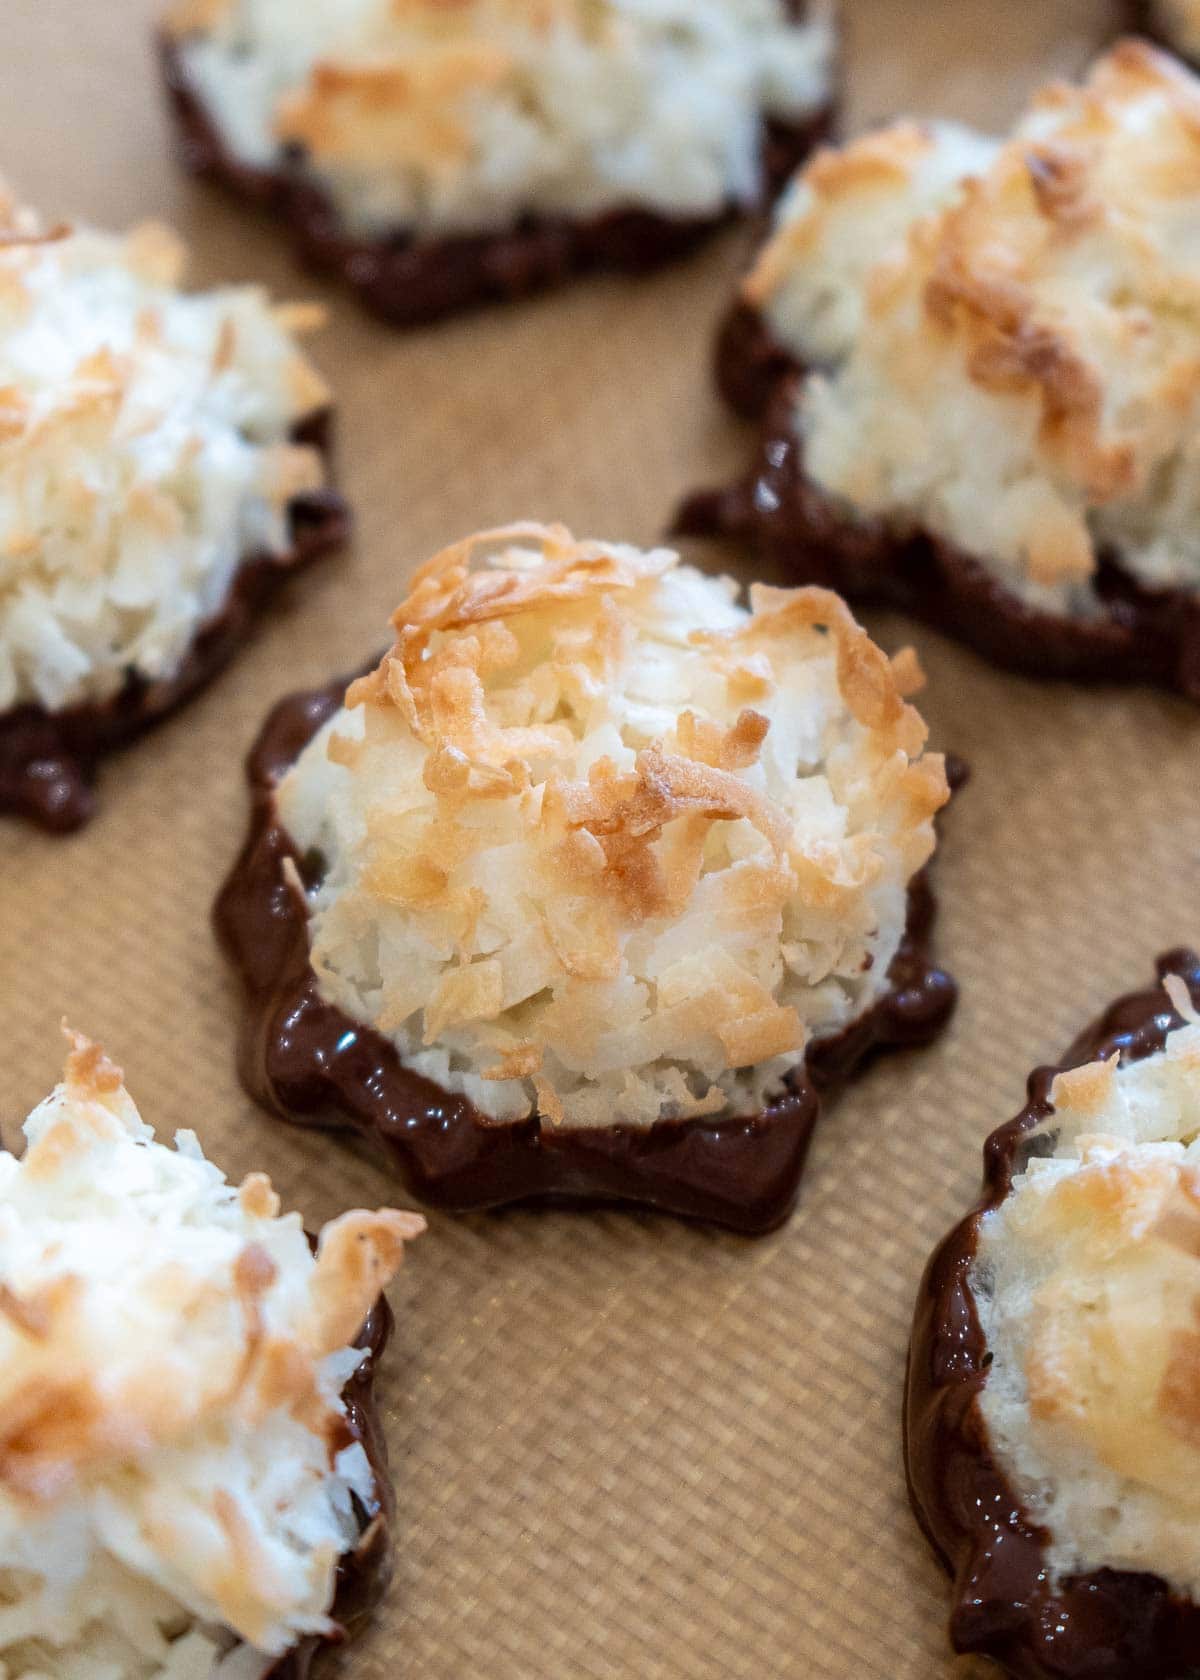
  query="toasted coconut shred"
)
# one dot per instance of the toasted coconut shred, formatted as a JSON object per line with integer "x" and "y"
{"x": 1087, "y": 1282}
{"x": 144, "y": 453}
{"x": 602, "y": 843}
{"x": 1006, "y": 336}
{"x": 176, "y": 1483}
{"x": 440, "y": 118}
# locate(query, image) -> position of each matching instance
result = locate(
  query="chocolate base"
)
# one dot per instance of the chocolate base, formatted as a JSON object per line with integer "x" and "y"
{"x": 48, "y": 760}
{"x": 1138, "y": 635}
{"x": 363, "y": 1573}
{"x": 408, "y": 281}
{"x": 1106, "y": 1625}
{"x": 313, "y": 1065}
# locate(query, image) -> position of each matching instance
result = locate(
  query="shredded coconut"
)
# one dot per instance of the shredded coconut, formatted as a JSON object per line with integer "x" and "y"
{"x": 603, "y": 843}
{"x": 437, "y": 118}
{"x": 177, "y": 1481}
{"x": 1013, "y": 364}
{"x": 144, "y": 453}
{"x": 1087, "y": 1283}
{"x": 847, "y": 214}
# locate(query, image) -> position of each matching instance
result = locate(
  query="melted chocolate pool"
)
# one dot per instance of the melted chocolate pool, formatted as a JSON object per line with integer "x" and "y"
{"x": 48, "y": 760}
{"x": 407, "y": 281}
{"x": 1110, "y": 1624}
{"x": 1138, "y": 635}
{"x": 308, "y": 1062}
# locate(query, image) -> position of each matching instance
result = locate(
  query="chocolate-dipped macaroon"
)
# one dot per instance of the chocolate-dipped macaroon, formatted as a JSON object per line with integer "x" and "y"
{"x": 163, "y": 467}
{"x": 193, "y": 1479}
{"x": 977, "y": 365}
{"x": 585, "y": 889}
{"x": 438, "y": 156}
{"x": 1053, "y": 1409}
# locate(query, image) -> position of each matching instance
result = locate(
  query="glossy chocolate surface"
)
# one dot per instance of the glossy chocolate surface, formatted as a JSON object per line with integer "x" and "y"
{"x": 1139, "y": 635}
{"x": 313, "y": 1065}
{"x": 48, "y": 760}
{"x": 364, "y": 1573}
{"x": 1107, "y": 1625}
{"x": 407, "y": 281}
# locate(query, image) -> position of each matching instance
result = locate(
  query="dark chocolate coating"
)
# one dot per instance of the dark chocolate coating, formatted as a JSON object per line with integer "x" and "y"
{"x": 1107, "y": 1625}
{"x": 749, "y": 363}
{"x": 408, "y": 281}
{"x": 1139, "y": 635}
{"x": 48, "y": 760}
{"x": 310, "y": 1063}
{"x": 364, "y": 1573}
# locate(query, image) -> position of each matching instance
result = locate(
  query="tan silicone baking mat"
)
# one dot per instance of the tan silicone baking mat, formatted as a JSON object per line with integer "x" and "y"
{"x": 626, "y": 1449}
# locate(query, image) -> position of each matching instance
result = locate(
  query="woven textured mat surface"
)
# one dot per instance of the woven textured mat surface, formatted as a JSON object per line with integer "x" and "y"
{"x": 624, "y": 1447}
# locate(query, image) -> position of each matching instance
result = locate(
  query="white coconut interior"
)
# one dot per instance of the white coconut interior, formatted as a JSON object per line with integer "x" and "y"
{"x": 603, "y": 842}
{"x": 440, "y": 118}
{"x": 1008, "y": 335}
{"x": 1087, "y": 1283}
{"x": 176, "y": 1479}
{"x": 144, "y": 454}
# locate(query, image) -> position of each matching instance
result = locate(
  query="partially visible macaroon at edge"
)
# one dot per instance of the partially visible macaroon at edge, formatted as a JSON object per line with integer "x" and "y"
{"x": 165, "y": 465}
{"x": 298, "y": 125}
{"x": 193, "y": 1476}
{"x": 977, "y": 394}
{"x": 1049, "y": 1439}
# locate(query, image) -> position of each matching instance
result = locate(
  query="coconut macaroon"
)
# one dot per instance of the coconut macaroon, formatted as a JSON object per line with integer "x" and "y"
{"x": 998, "y": 345}
{"x": 598, "y": 844}
{"x": 1054, "y": 1435}
{"x": 181, "y": 1475}
{"x": 160, "y": 464}
{"x": 439, "y": 124}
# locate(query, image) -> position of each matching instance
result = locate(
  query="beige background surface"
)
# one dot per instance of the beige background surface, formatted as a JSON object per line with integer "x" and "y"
{"x": 624, "y": 1448}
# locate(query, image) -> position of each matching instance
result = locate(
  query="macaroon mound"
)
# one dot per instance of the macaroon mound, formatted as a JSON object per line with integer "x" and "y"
{"x": 594, "y": 850}
{"x": 155, "y": 447}
{"x": 437, "y": 155}
{"x": 1053, "y": 1432}
{"x": 983, "y": 360}
{"x": 603, "y": 844}
{"x": 187, "y": 1451}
